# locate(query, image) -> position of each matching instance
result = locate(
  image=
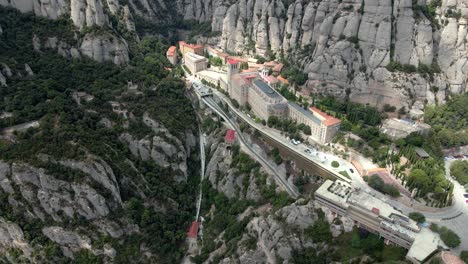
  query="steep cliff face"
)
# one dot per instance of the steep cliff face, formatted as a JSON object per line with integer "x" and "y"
{"x": 344, "y": 46}
{"x": 347, "y": 44}
{"x": 106, "y": 44}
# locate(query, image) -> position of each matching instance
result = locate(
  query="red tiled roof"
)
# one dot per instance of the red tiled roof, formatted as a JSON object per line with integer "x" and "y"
{"x": 193, "y": 231}
{"x": 282, "y": 79}
{"x": 232, "y": 61}
{"x": 250, "y": 70}
{"x": 230, "y": 136}
{"x": 278, "y": 67}
{"x": 375, "y": 210}
{"x": 270, "y": 79}
{"x": 240, "y": 59}
{"x": 249, "y": 77}
{"x": 329, "y": 120}
{"x": 270, "y": 64}
{"x": 450, "y": 258}
{"x": 183, "y": 43}
{"x": 171, "y": 51}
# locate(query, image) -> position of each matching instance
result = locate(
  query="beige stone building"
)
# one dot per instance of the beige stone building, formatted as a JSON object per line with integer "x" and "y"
{"x": 376, "y": 216}
{"x": 323, "y": 127}
{"x": 185, "y": 48}
{"x": 238, "y": 86}
{"x": 251, "y": 88}
{"x": 195, "y": 62}
{"x": 265, "y": 101}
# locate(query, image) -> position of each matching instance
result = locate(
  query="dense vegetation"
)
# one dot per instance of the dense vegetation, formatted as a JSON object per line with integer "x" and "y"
{"x": 449, "y": 237}
{"x": 464, "y": 256}
{"x": 459, "y": 170}
{"x": 294, "y": 75}
{"x": 377, "y": 183}
{"x": 70, "y": 131}
{"x": 363, "y": 120}
{"x": 347, "y": 247}
{"x": 418, "y": 217}
{"x": 288, "y": 126}
{"x": 450, "y": 121}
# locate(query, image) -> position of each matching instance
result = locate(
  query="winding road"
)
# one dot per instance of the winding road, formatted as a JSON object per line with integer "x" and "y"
{"x": 454, "y": 217}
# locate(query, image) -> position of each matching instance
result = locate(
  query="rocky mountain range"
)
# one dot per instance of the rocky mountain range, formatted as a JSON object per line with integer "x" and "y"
{"x": 376, "y": 52}
{"x": 99, "y": 159}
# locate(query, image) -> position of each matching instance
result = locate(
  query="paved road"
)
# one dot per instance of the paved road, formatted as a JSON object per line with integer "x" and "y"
{"x": 299, "y": 149}
{"x": 454, "y": 217}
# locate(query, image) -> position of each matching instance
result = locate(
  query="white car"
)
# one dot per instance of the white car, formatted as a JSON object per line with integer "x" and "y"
{"x": 295, "y": 142}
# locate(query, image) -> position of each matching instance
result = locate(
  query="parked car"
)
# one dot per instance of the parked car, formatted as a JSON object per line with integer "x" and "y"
{"x": 351, "y": 170}
{"x": 466, "y": 195}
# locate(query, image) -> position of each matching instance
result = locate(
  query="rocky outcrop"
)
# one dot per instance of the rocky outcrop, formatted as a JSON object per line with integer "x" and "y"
{"x": 99, "y": 171}
{"x": 68, "y": 240}
{"x": 28, "y": 70}
{"x": 273, "y": 234}
{"x": 105, "y": 48}
{"x": 85, "y": 15}
{"x": 50, "y": 196}
{"x": 344, "y": 46}
{"x": 88, "y": 13}
{"x": 12, "y": 237}
{"x": 47, "y": 8}
{"x": 2, "y": 80}
{"x": 163, "y": 148}
{"x": 228, "y": 180}
{"x": 5, "y": 72}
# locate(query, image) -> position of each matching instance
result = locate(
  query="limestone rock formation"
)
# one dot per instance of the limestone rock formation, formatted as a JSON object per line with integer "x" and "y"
{"x": 164, "y": 149}
{"x": 88, "y": 13}
{"x": 105, "y": 48}
{"x": 2, "y": 80}
{"x": 84, "y": 14}
{"x": 345, "y": 46}
{"x": 47, "y": 8}
{"x": 11, "y": 236}
{"x": 69, "y": 240}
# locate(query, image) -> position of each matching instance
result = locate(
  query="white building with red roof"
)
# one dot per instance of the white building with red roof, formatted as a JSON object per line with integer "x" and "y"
{"x": 230, "y": 137}
{"x": 323, "y": 127}
{"x": 171, "y": 55}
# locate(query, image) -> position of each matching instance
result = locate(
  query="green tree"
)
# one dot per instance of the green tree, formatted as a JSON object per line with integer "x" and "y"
{"x": 464, "y": 256}
{"x": 276, "y": 156}
{"x": 320, "y": 231}
{"x": 418, "y": 217}
{"x": 459, "y": 170}
{"x": 419, "y": 179}
{"x": 389, "y": 108}
{"x": 449, "y": 237}
{"x": 377, "y": 183}
{"x": 393, "y": 253}
{"x": 335, "y": 164}
{"x": 215, "y": 61}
